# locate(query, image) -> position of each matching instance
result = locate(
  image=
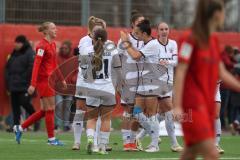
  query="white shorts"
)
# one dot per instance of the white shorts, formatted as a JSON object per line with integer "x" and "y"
{"x": 100, "y": 94}
{"x": 168, "y": 84}
{"x": 153, "y": 87}
{"x": 98, "y": 101}
{"x": 218, "y": 95}
{"x": 168, "y": 94}
{"x": 127, "y": 95}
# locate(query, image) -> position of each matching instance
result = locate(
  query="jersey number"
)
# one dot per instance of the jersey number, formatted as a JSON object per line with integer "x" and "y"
{"x": 103, "y": 74}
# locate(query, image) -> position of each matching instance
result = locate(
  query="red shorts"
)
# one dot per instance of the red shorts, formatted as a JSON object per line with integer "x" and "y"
{"x": 44, "y": 90}
{"x": 199, "y": 125}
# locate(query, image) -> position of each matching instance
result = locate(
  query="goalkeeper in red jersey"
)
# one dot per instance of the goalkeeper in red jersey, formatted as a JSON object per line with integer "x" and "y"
{"x": 44, "y": 65}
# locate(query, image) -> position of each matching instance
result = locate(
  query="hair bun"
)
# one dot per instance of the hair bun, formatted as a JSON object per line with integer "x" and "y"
{"x": 92, "y": 18}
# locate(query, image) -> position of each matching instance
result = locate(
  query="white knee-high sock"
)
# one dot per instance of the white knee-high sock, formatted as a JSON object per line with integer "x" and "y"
{"x": 143, "y": 120}
{"x": 78, "y": 125}
{"x": 143, "y": 132}
{"x": 126, "y": 136}
{"x": 90, "y": 133}
{"x": 103, "y": 140}
{"x": 154, "y": 130}
{"x": 170, "y": 127}
{"x": 97, "y": 131}
{"x": 218, "y": 130}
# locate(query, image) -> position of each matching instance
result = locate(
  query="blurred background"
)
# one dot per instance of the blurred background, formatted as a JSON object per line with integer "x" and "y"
{"x": 178, "y": 13}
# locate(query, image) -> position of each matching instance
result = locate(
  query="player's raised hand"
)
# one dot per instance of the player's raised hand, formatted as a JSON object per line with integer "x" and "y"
{"x": 124, "y": 36}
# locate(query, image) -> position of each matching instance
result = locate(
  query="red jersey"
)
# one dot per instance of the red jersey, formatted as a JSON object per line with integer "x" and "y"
{"x": 45, "y": 62}
{"x": 202, "y": 74}
{"x": 199, "y": 89}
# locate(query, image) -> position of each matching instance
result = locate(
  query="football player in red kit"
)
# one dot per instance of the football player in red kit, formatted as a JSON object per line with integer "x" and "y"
{"x": 44, "y": 65}
{"x": 197, "y": 74}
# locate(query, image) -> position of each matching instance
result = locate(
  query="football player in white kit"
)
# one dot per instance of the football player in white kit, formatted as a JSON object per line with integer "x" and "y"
{"x": 146, "y": 101}
{"x": 100, "y": 90}
{"x": 217, "y": 121}
{"x": 168, "y": 58}
{"x": 93, "y": 22}
{"x": 129, "y": 71}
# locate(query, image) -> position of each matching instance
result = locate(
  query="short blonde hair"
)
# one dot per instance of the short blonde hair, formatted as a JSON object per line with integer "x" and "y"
{"x": 44, "y": 26}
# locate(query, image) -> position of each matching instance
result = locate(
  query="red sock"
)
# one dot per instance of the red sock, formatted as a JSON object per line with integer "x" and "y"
{"x": 49, "y": 122}
{"x": 33, "y": 118}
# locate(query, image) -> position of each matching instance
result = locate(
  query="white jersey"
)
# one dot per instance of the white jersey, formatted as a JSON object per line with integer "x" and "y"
{"x": 129, "y": 65}
{"x": 149, "y": 52}
{"x": 99, "y": 89}
{"x": 136, "y": 43}
{"x": 110, "y": 60}
{"x": 149, "y": 69}
{"x": 84, "y": 42}
{"x": 168, "y": 52}
{"x": 129, "y": 69}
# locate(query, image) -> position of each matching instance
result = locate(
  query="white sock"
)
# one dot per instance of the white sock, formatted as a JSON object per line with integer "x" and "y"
{"x": 154, "y": 130}
{"x": 19, "y": 127}
{"x": 126, "y": 136}
{"x": 141, "y": 134}
{"x": 133, "y": 136}
{"x": 218, "y": 130}
{"x": 96, "y": 134}
{"x": 103, "y": 138}
{"x": 90, "y": 132}
{"x": 51, "y": 139}
{"x": 78, "y": 125}
{"x": 170, "y": 127}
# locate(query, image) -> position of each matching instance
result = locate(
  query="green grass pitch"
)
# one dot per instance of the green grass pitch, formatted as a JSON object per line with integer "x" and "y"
{"x": 34, "y": 147}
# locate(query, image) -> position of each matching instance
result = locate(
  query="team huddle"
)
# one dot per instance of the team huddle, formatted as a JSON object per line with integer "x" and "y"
{"x": 136, "y": 75}
{"x": 140, "y": 69}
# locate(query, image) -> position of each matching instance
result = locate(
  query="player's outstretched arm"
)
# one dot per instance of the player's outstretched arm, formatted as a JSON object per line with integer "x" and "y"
{"x": 181, "y": 71}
